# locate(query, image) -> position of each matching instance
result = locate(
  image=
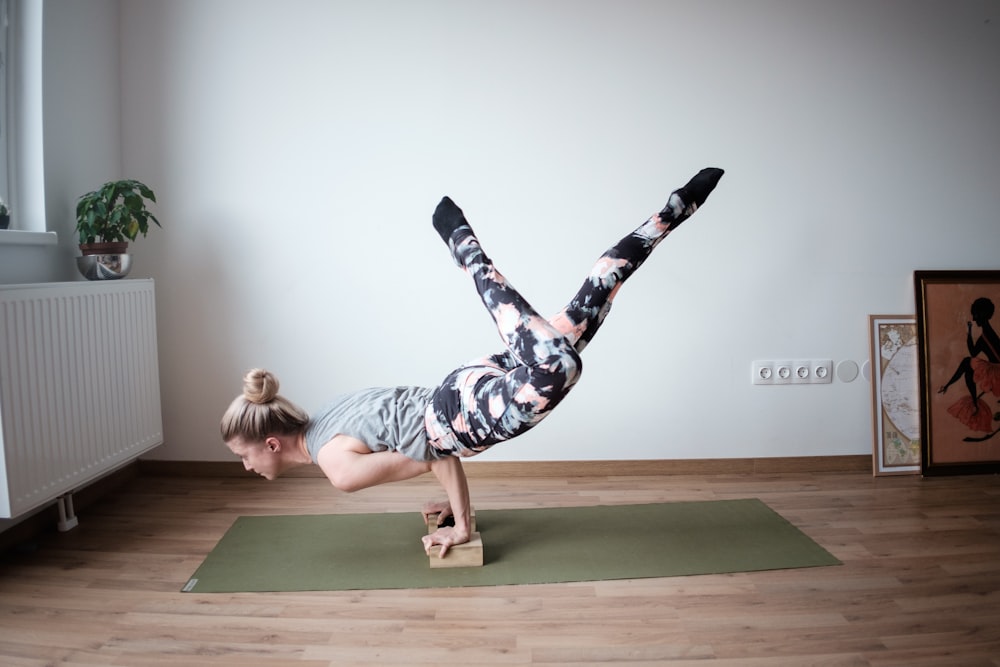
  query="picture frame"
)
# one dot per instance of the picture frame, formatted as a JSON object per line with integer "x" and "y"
{"x": 959, "y": 357}
{"x": 896, "y": 446}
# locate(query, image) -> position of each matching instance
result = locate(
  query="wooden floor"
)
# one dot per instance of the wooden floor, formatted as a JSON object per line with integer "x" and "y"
{"x": 920, "y": 583}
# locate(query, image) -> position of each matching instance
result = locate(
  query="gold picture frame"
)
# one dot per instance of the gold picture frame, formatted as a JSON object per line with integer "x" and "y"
{"x": 895, "y": 395}
{"x": 959, "y": 371}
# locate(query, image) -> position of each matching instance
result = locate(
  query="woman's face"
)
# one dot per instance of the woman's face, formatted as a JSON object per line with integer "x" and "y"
{"x": 257, "y": 457}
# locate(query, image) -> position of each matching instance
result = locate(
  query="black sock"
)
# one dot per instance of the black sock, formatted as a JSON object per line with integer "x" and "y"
{"x": 455, "y": 231}
{"x": 685, "y": 201}
{"x": 447, "y": 218}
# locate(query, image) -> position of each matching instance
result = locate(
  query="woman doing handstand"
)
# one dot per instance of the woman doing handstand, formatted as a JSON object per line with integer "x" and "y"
{"x": 384, "y": 435}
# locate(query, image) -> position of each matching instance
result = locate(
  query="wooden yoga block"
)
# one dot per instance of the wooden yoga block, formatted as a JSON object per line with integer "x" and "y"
{"x": 469, "y": 554}
{"x": 433, "y": 519}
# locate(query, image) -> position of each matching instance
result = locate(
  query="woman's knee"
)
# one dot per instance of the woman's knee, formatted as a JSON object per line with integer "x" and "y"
{"x": 562, "y": 368}
{"x": 574, "y": 365}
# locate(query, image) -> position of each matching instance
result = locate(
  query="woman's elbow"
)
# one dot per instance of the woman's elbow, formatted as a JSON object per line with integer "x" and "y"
{"x": 346, "y": 483}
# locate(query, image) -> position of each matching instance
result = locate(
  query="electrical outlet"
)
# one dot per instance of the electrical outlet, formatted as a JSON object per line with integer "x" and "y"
{"x": 822, "y": 371}
{"x": 763, "y": 372}
{"x": 783, "y": 372}
{"x": 800, "y": 371}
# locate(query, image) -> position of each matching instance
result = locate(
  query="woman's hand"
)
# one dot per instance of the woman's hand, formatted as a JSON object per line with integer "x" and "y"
{"x": 442, "y": 509}
{"x": 446, "y": 537}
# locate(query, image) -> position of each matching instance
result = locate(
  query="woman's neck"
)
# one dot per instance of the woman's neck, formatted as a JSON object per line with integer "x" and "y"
{"x": 302, "y": 455}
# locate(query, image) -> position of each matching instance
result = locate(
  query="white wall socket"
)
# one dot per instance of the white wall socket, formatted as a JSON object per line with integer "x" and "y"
{"x": 800, "y": 371}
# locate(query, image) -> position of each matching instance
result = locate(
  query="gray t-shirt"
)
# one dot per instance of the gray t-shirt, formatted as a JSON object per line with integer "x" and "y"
{"x": 384, "y": 418}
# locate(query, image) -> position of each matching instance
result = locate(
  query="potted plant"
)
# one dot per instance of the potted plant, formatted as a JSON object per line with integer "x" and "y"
{"x": 106, "y": 220}
{"x": 116, "y": 213}
{"x": 4, "y": 214}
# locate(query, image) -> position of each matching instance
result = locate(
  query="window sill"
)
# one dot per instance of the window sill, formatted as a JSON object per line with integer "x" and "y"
{"x": 19, "y": 237}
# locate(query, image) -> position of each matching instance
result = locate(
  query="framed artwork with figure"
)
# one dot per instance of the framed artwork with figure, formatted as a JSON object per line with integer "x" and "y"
{"x": 895, "y": 395}
{"x": 959, "y": 356}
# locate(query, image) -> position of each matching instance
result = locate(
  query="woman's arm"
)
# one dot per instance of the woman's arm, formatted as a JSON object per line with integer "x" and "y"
{"x": 451, "y": 474}
{"x": 351, "y": 466}
{"x": 991, "y": 343}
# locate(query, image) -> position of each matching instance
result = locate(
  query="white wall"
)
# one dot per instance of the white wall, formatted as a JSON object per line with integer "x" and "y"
{"x": 298, "y": 149}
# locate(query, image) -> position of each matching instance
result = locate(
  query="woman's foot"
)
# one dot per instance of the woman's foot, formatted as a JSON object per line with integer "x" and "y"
{"x": 455, "y": 231}
{"x": 686, "y": 200}
{"x": 447, "y": 218}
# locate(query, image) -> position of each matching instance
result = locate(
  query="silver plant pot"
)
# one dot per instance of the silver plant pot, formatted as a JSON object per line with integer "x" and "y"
{"x": 104, "y": 267}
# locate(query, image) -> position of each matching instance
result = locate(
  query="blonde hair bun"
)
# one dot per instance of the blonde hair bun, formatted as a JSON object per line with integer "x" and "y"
{"x": 260, "y": 386}
{"x": 260, "y": 412}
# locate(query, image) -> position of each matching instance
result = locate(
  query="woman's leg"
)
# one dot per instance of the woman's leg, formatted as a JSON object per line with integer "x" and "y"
{"x": 527, "y": 335}
{"x": 498, "y": 397}
{"x": 964, "y": 370}
{"x": 582, "y": 317}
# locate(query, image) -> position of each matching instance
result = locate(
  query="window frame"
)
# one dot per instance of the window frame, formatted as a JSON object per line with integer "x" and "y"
{"x": 22, "y": 108}
{"x": 6, "y": 104}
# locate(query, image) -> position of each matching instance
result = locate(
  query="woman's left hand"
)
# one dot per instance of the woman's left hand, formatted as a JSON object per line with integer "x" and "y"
{"x": 442, "y": 509}
{"x": 446, "y": 537}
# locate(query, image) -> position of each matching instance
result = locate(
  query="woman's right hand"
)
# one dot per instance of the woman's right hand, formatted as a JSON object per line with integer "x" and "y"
{"x": 446, "y": 538}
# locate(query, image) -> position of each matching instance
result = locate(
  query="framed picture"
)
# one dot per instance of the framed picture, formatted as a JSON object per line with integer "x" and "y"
{"x": 959, "y": 371}
{"x": 895, "y": 395}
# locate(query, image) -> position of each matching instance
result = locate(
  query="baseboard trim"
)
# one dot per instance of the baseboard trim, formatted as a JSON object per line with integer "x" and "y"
{"x": 748, "y": 466}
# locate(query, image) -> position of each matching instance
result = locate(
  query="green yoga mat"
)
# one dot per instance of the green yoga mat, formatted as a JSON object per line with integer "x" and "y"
{"x": 522, "y": 546}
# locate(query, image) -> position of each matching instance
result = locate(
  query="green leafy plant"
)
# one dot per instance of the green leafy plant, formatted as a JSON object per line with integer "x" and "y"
{"x": 3, "y": 207}
{"x": 115, "y": 213}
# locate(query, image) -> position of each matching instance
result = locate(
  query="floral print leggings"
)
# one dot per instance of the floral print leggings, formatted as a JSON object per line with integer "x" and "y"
{"x": 495, "y": 398}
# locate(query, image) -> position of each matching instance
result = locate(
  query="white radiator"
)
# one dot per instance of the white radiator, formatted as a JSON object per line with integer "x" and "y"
{"x": 79, "y": 386}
